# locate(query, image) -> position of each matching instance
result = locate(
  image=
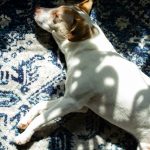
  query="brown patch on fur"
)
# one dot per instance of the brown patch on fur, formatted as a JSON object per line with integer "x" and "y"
{"x": 80, "y": 30}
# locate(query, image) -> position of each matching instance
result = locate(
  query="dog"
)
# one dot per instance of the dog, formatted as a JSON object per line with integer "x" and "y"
{"x": 98, "y": 78}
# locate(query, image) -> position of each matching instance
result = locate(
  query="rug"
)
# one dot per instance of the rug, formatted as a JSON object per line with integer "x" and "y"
{"x": 32, "y": 70}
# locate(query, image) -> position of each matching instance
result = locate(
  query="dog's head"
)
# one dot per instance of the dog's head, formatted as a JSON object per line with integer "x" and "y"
{"x": 68, "y": 22}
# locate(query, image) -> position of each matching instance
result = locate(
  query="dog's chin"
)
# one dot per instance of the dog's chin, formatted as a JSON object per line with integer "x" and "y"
{"x": 44, "y": 27}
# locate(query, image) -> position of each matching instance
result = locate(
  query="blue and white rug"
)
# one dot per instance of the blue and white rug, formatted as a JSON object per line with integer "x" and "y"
{"x": 32, "y": 70}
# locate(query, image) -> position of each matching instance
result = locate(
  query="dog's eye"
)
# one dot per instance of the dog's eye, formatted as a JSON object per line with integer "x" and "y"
{"x": 55, "y": 14}
{"x": 57, "y": 18}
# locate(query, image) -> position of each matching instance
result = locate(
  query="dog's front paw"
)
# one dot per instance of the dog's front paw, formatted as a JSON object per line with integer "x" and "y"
{"x": 23, "y": 124}
{"x": 22, "y": 138}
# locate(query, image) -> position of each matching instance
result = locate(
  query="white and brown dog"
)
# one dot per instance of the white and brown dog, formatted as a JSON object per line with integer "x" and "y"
{"x": 98, "y": 78}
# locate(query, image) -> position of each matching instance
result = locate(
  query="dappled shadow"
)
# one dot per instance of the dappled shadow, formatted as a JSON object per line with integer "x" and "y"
{"x": 141, "y": 108}
{"x": 141, "y": 102}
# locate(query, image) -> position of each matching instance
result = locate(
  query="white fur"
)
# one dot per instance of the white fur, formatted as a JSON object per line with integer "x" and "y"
{"x": 98, "y": 78}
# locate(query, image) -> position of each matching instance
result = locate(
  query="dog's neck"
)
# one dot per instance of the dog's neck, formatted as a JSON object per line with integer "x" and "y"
{"x": 97, "y": 42}
{"x": 87, "y": 33}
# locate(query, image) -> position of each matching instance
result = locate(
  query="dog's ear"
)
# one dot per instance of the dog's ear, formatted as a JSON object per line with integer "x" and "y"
{"x": 80, "y": 30}
{"x": 86, "y": 5}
